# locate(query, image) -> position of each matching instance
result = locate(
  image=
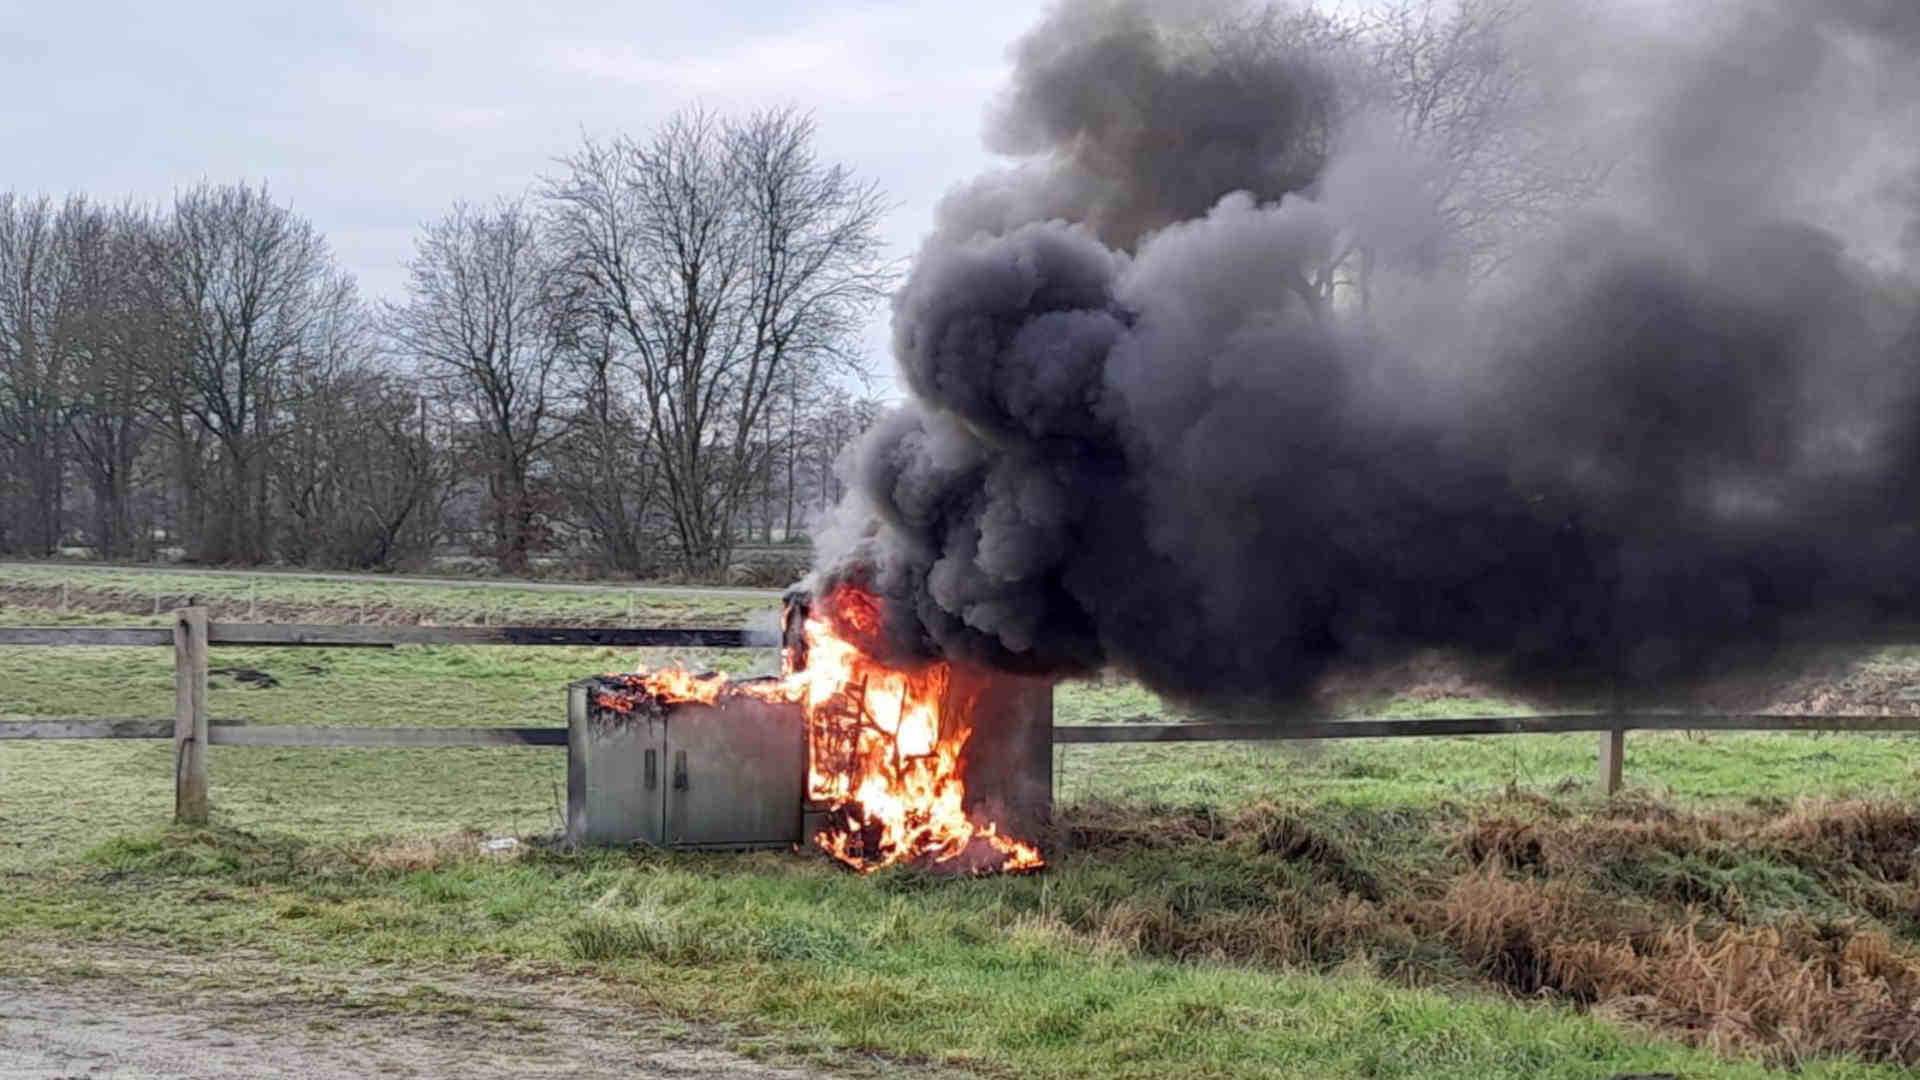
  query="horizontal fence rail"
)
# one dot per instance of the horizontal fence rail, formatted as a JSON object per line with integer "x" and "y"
{"x": 277, "y": 735}
{"x": 238, "y": 733}
{"x": 94, "y": 727}
{"x": 1553, "y": 724}
{"x": 192, "y": 730}
{"x": 335, "y": 637}
{"x": 85, "y": 635}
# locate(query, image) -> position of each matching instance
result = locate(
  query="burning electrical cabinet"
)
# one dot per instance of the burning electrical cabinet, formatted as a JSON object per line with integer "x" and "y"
{"x": 729, "y": 774}
{"x": 946, "y": 766}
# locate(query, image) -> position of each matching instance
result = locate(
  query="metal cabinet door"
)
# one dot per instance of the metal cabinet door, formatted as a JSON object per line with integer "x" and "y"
{"x": 735, "y": 774}
{"x": 616, "y": 776}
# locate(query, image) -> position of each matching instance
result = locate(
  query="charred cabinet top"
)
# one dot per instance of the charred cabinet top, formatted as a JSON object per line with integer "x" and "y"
{"x": 727, "y": 775}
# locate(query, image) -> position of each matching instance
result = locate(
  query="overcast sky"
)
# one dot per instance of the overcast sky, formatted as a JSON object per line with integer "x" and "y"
{"x": 372, "y": 118}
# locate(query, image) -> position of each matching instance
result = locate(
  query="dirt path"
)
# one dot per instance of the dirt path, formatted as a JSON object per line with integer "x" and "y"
{"x": 128, "y": 1013}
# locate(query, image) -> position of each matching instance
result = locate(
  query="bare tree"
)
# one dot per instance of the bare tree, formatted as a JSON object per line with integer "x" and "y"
{"x": 812, "y": 421}
{"x": 723, "y": 253}
{"x": 479, "y": 318}
{"x": 34, "y": 268}
{"x": 606, "y": 471}
{"x": 363, "y": 475}
{"x": 1441, "y": 79}
{"x": 115, "y": 337}
{"x": 255, "y": 293}
{"x": 836, "y": 420}
{"x": 1470, "y": 103}
{"x": 799, "y": 397}
{"x": 641, "y": 367}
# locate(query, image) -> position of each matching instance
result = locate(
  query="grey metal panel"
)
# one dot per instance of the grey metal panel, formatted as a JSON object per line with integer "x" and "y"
{"x": 576, "y": 763}
{"x": 612, "y": 797}
{"x": 1008, "y": 761}
{"x": 736, "y": 774}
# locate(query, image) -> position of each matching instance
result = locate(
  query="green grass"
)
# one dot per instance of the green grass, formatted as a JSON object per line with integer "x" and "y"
{"x": 1725, "y": 769}
{"x": 56, "y": 794}
{"x": 1111, "y": 699}
{"x": 335, "y": 858}
{"x": 1001, "y": 974}
{"x": 271, "y": 597}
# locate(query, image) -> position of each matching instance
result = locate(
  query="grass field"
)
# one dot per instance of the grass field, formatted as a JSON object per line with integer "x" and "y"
{"x": 270, "y": 597}
{"x": 1438, "y": 907}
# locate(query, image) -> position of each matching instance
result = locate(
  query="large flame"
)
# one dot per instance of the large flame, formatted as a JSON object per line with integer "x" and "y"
{"x": 884, "y": 747}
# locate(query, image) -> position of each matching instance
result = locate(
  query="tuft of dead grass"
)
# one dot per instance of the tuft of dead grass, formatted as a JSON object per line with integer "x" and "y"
{"x": 1879, "y": 839}
{"x": 1508, "y": 845}
{"x": 408, "y": 854}
{"x": 1319, "y": 937}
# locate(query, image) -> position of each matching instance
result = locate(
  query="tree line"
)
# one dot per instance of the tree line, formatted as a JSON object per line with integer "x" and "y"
{"x": 642, "y": 362}
{"x": 647, "y": 360}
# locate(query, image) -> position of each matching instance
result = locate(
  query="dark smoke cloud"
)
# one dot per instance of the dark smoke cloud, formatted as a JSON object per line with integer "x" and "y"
{"x": 1675, "y": 439}
{"x": 1136, "y": 116}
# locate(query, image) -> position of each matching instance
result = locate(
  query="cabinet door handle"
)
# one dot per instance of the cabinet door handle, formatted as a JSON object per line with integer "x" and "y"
{"x": 680, "y": 770}
{"x": 653, "y": 769}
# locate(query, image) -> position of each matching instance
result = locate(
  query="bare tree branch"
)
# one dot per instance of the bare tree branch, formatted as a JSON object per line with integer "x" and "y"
{"x": 728, "y": 258}
{"x": 481, "y": 319}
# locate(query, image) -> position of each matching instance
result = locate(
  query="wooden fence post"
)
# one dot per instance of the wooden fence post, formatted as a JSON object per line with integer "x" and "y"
{"x": 190, "y": 715}
{"x": 1613, "y": 753}
{"x": 1613, "y": 745}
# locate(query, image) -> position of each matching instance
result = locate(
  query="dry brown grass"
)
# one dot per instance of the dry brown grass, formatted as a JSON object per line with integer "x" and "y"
{"x": 1791, "y": 990}
{"x": 1529, "y": 916}
{"x": 1785, "y": 991}
{"x": 1316, "y": 936}
{"x": 1865, "y": 853}
{"x": 1567, "y": 847}
{"x": 408, "y": 854}
{"x": 1538, "y": 904}
{"x": 1881, "y": 839}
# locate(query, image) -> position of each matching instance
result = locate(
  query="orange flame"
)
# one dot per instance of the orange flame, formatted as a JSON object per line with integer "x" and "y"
{"x": 884, "y": 748}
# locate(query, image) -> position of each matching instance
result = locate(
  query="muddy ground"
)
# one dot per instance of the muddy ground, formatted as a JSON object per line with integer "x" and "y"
{"x": 100, "y": 1011}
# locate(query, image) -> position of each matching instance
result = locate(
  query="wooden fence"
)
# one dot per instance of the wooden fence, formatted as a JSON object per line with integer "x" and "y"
{"x": 192, "y": 731}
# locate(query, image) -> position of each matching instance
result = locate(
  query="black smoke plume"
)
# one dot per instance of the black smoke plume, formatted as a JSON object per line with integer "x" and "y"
{"x": 1673, "y": 437}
